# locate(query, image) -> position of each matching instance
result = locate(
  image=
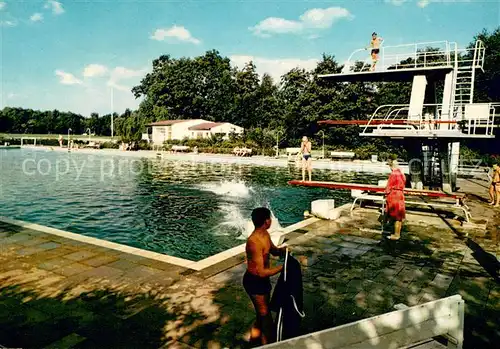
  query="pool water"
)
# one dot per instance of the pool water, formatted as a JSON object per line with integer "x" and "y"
{"x": 180, "y": 208}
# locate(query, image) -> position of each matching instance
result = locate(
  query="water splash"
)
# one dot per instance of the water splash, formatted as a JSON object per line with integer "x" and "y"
{"x": 236, "y": 223}
{"x": 233, "y": 188}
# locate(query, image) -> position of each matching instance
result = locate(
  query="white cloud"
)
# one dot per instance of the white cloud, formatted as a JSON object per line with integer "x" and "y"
{"x": 277, "y": 25}
{"x": 2, "y": 5}
{"x": 396, "y": 2}
{"x": 423, "y": 3}
{"x": 121, "y": 73}
{"x": 8, "y": 23}
{"x": 176, "y": 32}
{"x": 95, "y": 94}
{"x": 94, "y": 70}
{"x": 275, "y": 67}
{"x": 324, "y": 18}
{"x": 312, "y": 19}
{"x": 12, "y": 95}
{"x": 55, "y": 6}
{"x": 36, "y": 17}
{"x": 67, "y": 78}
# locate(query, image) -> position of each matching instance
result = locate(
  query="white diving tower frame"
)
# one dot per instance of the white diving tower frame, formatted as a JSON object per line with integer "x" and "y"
{"x": 447, "y": 121}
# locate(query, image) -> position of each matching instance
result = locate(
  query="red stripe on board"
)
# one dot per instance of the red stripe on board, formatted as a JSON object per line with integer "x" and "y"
{"x": 382, "y": 122}
{"x": 374, "y": 188}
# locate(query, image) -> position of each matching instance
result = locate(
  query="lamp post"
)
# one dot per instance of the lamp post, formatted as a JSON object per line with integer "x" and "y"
{"x": 278, "y": 132}
{"x": 323, "y": 132}
{"x": 88, "y": 129}
{"x": 112, "y": 112}
{"x": 69, "y": 129}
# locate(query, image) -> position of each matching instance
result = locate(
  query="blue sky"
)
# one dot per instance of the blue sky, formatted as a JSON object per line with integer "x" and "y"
{"x": 69, "y": 55}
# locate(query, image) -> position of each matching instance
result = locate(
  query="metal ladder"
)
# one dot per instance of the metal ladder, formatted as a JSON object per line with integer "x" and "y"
{"x": 464, "y": 84}
{"x": 466, "y": 63}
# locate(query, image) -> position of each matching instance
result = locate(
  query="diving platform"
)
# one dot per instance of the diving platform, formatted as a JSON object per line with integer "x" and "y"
{"x": 441, "y": 111}
{"x": 390, "y": 75}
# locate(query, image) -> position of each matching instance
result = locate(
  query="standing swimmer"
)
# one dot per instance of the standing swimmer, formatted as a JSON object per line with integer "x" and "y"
{"x": 305, "y": 149}
{"x": 375, "y": 46}
{"x": 495, "y": 187}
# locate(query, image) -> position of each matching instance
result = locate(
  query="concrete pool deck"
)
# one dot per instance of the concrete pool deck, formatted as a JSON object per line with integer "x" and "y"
{"x": 62, "y": 293}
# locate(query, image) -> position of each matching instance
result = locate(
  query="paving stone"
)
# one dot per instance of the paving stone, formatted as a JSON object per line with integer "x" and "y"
{"x": 29, "y": 251}
{"x": 351, "y": 252}
{"x": 16, "y": 238}
{"x": 33, "y": 241}
{"x": 99, "y": 260}
{"x": 348, "y": 244}
{"x": 80, "y": 255}
{"x": 48, "y": 245}
{"x": 67, "y": 342}
{"x": 140, "y": 273}
{"x": 123, "y": 264}
{"x": 134, "y": 258}
{"x": 72, "y": 269}
{"x": 493, "y": 301}
{"x": 405, "y": 276}
{"x": 45, "y": 255}
{"x": 307, "y": 261}
{"x": 441, "y": 281}
{"x": 102, "y": 272}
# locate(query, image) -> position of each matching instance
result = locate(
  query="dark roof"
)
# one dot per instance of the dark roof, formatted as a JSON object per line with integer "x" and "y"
{"x": 166, "y": 122}
{"x": 206, "y": 126}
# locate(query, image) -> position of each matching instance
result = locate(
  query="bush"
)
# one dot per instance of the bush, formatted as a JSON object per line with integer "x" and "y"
{"x": 215, "y": 150}
{"x": 109, "y": 145}
{"x": 366, "y": 151}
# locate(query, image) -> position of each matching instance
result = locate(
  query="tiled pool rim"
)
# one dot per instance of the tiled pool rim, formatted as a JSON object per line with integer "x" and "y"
{"x": 185, "y": 263}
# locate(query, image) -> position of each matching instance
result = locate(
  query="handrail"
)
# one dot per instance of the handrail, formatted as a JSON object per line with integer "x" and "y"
{"x": 448, "y": 53}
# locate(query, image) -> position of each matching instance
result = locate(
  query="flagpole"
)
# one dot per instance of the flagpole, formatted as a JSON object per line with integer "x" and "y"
{"x": 112, "y": 112}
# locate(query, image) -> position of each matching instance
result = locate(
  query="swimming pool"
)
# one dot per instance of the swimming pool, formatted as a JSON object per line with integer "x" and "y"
{"x": 180, "y": 208}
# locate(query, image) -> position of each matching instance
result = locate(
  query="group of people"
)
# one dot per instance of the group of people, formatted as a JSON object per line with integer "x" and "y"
{"x": 259, "y": 247}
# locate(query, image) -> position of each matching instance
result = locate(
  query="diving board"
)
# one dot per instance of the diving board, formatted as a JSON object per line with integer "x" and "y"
{"x": 458, "y": 198}
{"x": 376, "y": 189}
{"x": 390, "y": 75}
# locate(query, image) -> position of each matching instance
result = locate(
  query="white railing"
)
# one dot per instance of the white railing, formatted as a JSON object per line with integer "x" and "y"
{"x": 468, "y": 118}
{"x": 384, "y": 114}
{"x": 417, "y": 55}
{"x": 480, "y": 116}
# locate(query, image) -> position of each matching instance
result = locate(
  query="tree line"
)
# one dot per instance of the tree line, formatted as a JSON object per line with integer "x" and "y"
{"x": 208, "y": 87}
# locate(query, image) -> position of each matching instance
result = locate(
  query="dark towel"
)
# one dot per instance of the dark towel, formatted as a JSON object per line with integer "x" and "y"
{"x": 287, "y": 300}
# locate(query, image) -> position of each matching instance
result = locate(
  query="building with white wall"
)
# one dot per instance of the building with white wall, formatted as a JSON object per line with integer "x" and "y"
{"x": 161, "y": 131}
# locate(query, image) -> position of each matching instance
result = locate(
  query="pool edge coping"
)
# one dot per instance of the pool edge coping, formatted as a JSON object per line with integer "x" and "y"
{"x": 185, "y": 263}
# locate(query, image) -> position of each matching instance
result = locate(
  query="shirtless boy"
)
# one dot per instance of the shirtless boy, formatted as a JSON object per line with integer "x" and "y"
{"x": 375, "y": 46}
{"x": 256, "y": 279}
{"x": 495, "y": 186}
{"x": 305, "y": 149}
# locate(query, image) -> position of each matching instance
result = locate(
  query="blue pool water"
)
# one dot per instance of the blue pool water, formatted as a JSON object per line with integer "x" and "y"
{"x": 180, "y": 208}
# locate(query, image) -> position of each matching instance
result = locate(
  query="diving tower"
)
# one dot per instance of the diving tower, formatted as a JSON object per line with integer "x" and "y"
{"x": 441, "y": 111}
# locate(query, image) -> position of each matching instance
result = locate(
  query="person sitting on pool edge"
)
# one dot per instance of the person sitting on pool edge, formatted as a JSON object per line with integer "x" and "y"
{"x": 256, "y": 280}
{"x": 305, "y": 149}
